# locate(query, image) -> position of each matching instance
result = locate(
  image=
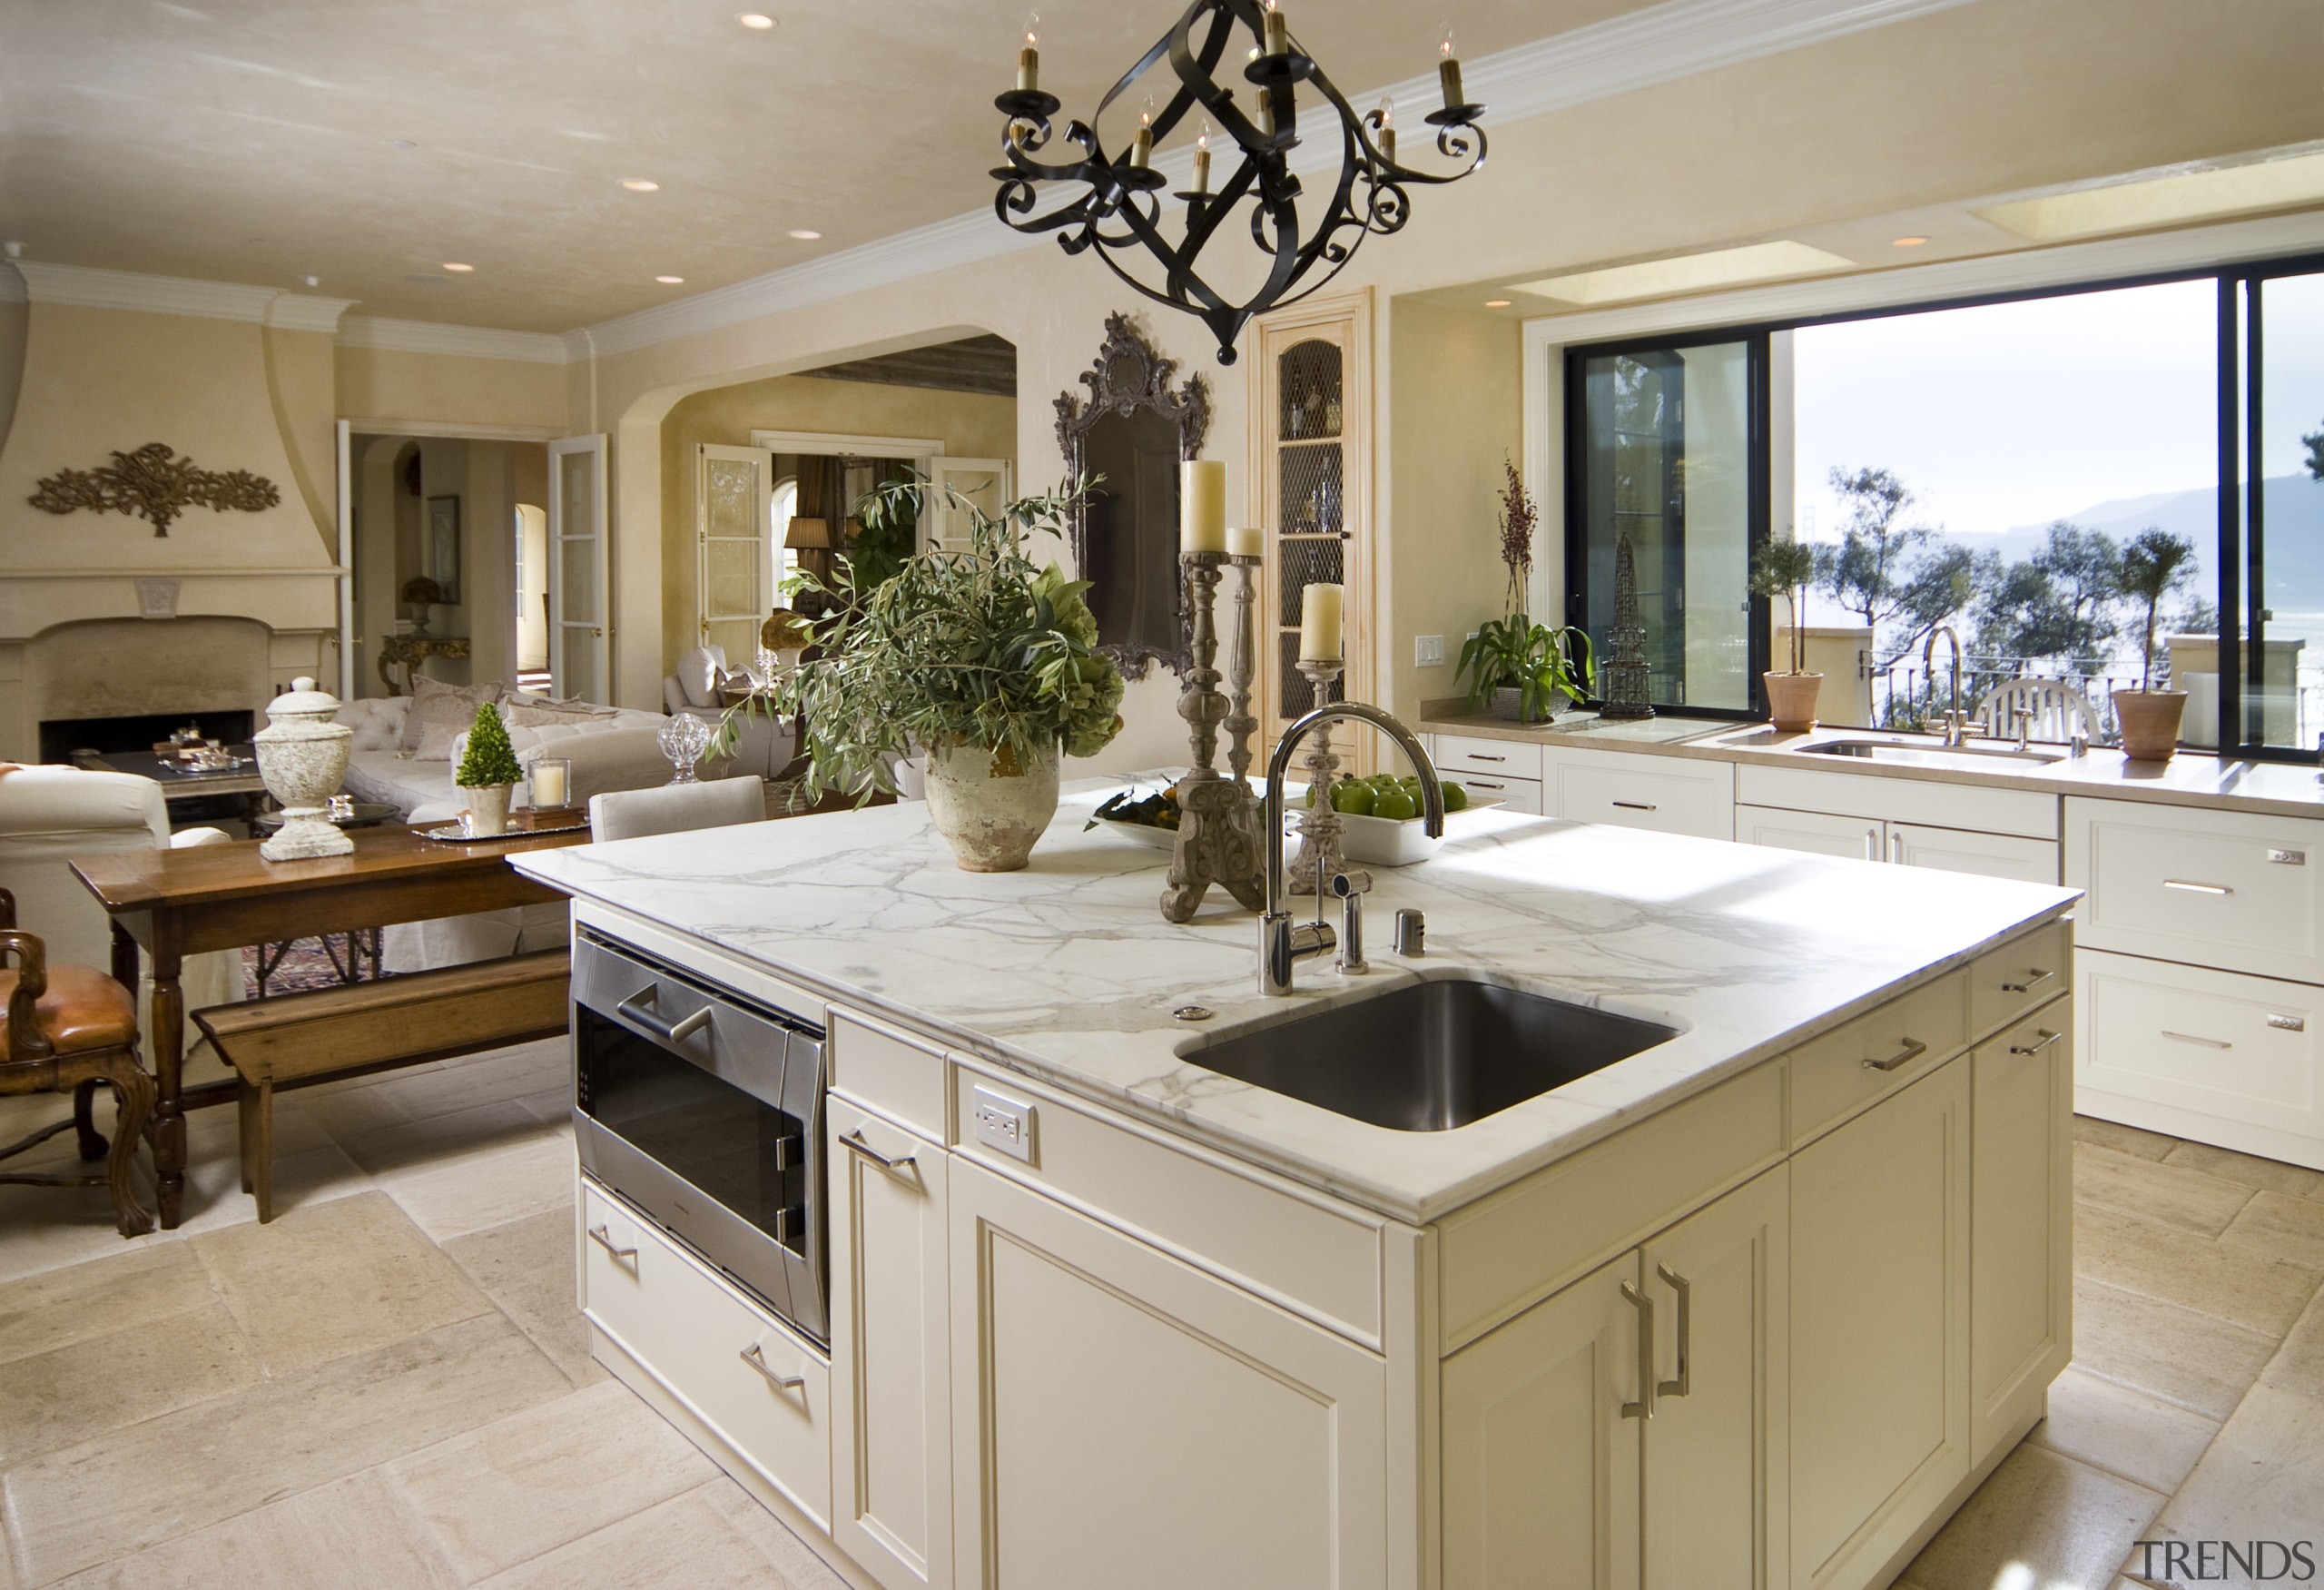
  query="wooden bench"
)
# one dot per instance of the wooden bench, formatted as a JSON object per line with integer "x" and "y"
{"x": 295, "y": 1039}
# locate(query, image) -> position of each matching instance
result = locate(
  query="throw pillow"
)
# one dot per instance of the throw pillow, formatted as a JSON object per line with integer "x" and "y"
{"x": 698, "y": 672}
{"x": 435, "y": 704}
{"x": 532, "y": 715}
{"x": 441, "y": 741}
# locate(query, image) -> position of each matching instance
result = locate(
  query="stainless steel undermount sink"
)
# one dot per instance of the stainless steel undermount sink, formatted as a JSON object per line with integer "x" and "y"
{"x": 1911, "y": 754}
{"x": 1431, "y": 1056}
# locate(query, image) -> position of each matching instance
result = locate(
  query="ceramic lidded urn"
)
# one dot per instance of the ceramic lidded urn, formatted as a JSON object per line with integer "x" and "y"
{"x": 302, "y": 757}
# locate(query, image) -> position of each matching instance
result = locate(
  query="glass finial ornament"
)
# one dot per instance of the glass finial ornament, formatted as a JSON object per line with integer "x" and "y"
{"x": 683, "y": 740}
{"x": 1622, "y": 677}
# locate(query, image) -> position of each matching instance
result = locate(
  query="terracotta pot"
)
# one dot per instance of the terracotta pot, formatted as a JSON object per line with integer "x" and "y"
{"x": 2149, "y": 720}
{"x": 489, "y": 809}
{"x": 989, "y": 807}
{"x": 1791, "y": 700}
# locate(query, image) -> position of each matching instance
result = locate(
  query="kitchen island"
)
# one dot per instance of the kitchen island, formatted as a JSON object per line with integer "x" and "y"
{"x": 1758, "y": 1304}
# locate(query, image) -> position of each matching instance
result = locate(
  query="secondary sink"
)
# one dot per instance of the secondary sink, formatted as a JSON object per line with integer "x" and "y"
{"x": 1431, "y": 1056}
{"x": 1986, "y": 758}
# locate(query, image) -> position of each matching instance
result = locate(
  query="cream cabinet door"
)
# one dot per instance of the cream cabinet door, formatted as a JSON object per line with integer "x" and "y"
{"x": 1540, "y": 1463}
{"x": 891, "y": 1493}
{"x": 1821, "y": 832}
{"x": 1715, "y": 1450}
{"x": 1879, "y": 1328}
{"x": 1123, "y": 1419}
{"x": 2020, "y": 1214}
{"x": 1988, "y": 855}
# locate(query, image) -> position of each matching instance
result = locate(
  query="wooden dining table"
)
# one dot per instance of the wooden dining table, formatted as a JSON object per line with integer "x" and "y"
{"x": 173, "y": 904}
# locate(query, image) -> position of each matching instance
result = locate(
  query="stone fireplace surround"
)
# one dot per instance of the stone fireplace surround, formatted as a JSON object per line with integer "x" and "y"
{"x": 134, "y": 668}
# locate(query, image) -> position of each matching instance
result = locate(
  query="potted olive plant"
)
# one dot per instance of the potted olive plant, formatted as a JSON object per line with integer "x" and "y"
{"x": 1785, "y": 570}
{"x": 982, "y": 660}
{"x": 2153, "y": 564}
{"x": 487, "y": 771}
{"x": 1524, "y": 669}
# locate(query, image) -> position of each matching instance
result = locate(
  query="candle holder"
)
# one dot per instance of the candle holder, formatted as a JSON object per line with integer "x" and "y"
{"x": 1320, "y": 828}
{"x": 1218, "y": 821}
{"x": 1242, "y": 663}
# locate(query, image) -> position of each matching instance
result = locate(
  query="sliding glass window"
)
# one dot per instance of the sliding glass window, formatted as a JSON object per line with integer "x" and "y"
{"x": 1667, "y": 449}
{"x": 2272, "y": 506}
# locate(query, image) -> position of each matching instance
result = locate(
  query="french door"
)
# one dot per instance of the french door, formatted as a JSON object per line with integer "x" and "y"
{"x": 580, "y": 649}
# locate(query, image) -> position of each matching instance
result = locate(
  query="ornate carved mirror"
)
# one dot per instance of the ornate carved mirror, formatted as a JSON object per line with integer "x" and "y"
{"x": 1134, "y": 432}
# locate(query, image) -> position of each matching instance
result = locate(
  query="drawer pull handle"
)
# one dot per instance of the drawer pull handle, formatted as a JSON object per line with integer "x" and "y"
{"x": 1637, "y": 805}
{"x": 1913, "y": 1049}
{"x": 2288, "y": 1023}
{"x": 853, "y": 1141}
{"x": 624, "y": 1255}
{"x": 1481, "y": 756}
{"x": 1643, "y": 1408}
{"x": 2047, "y": 1039}
{"x": 2192, "y": 1038}
{"x": 756, "y": 1358}
{"x": 2034, "y": 978}
{"x": 1686, "y": 1380}
{"x": 676, "y": 1032}
{"x": 1481, "y": 784}
{"x": 2195, "y": 888}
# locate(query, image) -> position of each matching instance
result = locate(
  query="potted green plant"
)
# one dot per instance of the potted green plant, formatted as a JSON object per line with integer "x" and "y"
{"x": 1522, "y": 668}
{"x": 487, "y": 771}
{"x": 1785, "y": 570}
{"x": 982, "y": 661}
{"x": 2153, "y": 564}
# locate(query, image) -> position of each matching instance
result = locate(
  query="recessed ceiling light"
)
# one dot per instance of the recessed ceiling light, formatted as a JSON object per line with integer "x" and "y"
{"x": 639, "y": 184}
{"x": 1496, "y": 303}
{"x": 669, "y": 280}
{"x": 805, "y": 234}
{"x": 457, "y": 269}
{"x": 1909, "y": 243}
{"x": 2283, "y": 182}
{"x": 312, "y": 280}
{"x": 405, "y": 143}
{"x": 1702, "y": 272}
{"x": 752, "y": 19}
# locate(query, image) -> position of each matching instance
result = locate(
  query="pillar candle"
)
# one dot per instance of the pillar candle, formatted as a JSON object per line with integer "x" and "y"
{"x": 549, "y": 780}
{"x": 1247, "y": 542}
{"x": 1319, "y": 622}
{"x": 1202, "y": 506}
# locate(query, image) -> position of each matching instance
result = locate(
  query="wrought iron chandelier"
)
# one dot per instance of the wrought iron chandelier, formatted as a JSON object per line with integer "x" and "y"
{"x": 1121, "y": 212}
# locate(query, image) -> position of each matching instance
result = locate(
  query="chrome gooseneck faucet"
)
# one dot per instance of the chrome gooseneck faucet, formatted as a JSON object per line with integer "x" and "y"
{"x": 1956, "y": 721}
{"x": 1282, "y": 943}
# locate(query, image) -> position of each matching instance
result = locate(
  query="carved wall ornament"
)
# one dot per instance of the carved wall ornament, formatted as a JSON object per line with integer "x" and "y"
{"x": 1130, "y": 389}
{"x": 156, "y": 485}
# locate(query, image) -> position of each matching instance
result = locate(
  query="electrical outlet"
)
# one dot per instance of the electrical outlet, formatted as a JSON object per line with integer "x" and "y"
{"x": 1428, "y": 651}
{"x": 1002, "y": 1122}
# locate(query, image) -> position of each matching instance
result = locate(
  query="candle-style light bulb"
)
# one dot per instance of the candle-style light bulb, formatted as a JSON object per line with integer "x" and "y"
{"x": 1202, "y": 158}
{"x": 1141, "y": 149}
{"x": 1278, "y": 29}
{"x": 1448, "y": 69}
{"x": 1388, "y": 128}
{"x": 1028, "y": 59}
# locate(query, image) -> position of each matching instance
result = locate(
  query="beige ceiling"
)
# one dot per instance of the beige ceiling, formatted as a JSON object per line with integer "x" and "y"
{"x": 367, "y": 144}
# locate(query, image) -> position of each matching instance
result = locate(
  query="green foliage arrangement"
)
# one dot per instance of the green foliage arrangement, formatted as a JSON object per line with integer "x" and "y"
{"x": 2152, "y": 565}
{"x": 891, "y": 521}
{"x": 490, "y": 759}
{"x": 979, "y": 647}
{"x": 1519, "y": 519}
{"x": 1785, "y": 570}
{"x": 1533, "y": 659}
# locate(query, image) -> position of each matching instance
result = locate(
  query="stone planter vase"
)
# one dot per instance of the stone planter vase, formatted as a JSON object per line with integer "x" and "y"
{"x": 2149, "y": 720}
{"x": 988, "y": 807}
{"x": 489, "y": 809}
{"x": 1509, "y": 702}
{"x": 1791, "y": 700}
{"x": 302, "y": 757}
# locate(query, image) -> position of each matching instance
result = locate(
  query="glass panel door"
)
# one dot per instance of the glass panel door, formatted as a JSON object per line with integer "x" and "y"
{"x": 2283, "y": 514}
{"x": 733, "y": 502}
{"x": 579, "y": 652}
{"x": 1311, "y": 534}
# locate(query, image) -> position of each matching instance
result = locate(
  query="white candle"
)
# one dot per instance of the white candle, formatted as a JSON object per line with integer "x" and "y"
{"x": 548, "y": 781}
{"x": 1319, "y": 622}
{"x": 1202, "y": 506}
{"x": 1247, "y": 542}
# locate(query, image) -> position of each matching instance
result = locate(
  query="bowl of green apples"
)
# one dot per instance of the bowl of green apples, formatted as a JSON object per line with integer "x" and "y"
{"x": 1379, "y": 817}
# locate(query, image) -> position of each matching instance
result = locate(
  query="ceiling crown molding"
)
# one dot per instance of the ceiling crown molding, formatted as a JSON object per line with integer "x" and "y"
{"x": 1659, "y": 44}
{"x": 395, "y": 336}
{"x": 87, "y": 287}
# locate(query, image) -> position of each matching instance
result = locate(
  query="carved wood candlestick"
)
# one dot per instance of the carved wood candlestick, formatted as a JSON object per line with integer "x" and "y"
{"x": 1242, "y": 663}
{"x": 1218, "y": 821}
{"x": 1319, "y": 826}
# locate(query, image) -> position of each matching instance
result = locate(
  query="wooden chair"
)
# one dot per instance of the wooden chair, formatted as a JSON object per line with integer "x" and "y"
{"x": 73, "y": 1027}
{"x": 2050, "y": 709}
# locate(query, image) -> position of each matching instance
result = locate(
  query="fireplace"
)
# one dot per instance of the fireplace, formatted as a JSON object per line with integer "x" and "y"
{"x": 122, "y": 684}
{"x": 60, "y": 739}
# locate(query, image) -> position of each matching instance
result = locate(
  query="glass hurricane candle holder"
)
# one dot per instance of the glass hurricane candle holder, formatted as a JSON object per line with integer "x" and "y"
{"x": 684, "y": 739}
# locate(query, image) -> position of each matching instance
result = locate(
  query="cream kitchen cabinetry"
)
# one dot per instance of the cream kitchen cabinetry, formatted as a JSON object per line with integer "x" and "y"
{"x": 891, "y": 1423}
{"x": 1911, "y": 844}
{"x": 2021, "y": 1223}
{"x": 1669, "y": 794}
{"x": 1960, "y": 828}
{"x": 1507, "y": 770}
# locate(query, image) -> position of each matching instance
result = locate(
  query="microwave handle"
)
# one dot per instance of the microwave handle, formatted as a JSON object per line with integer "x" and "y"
{"x": 676, "y": 1032}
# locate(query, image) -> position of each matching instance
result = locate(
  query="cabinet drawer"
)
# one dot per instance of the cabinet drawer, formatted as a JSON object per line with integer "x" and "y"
{"x": 1978, "y": 808}
{"x": 2237, "y": 1049}
{"x": 1494, "y": 758}
{"x": 878, "y": 1066}
{"x": 2224, "y": 889}
{"x": 692, "y": 1331}
{"x": 1517, "y": 795}
{"x": 2006, "y": 983}
{"x": 1818, "y": 833}
{"x": 1839, "y": 1074}
{"x": 1319, "y": 1260}
{"x": 1665, "y": 794}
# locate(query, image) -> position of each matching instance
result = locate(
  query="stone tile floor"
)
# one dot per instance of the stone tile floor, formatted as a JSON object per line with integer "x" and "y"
{"x": 389, "y": 1385}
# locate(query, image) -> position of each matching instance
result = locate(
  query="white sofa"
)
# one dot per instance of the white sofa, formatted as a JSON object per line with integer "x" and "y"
{"x": 618, "y": 751}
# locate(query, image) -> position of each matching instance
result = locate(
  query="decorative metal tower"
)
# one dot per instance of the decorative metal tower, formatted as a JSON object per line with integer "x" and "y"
{"x": 1622, "y": 677}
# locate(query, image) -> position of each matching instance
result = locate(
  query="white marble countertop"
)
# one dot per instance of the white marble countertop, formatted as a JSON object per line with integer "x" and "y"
{"x": 2190, "y": 779}
{"x": 1067, "y": 972}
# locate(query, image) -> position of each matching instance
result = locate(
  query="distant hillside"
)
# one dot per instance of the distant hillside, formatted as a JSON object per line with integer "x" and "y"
{"x": 2294, "y": 506}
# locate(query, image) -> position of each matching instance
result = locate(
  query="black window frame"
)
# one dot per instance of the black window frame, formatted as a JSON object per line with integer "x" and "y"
{"x": 2240, "y": 481}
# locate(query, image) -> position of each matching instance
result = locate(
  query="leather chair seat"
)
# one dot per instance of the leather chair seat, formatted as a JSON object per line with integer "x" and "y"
{"x": 83, "y": 1009}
